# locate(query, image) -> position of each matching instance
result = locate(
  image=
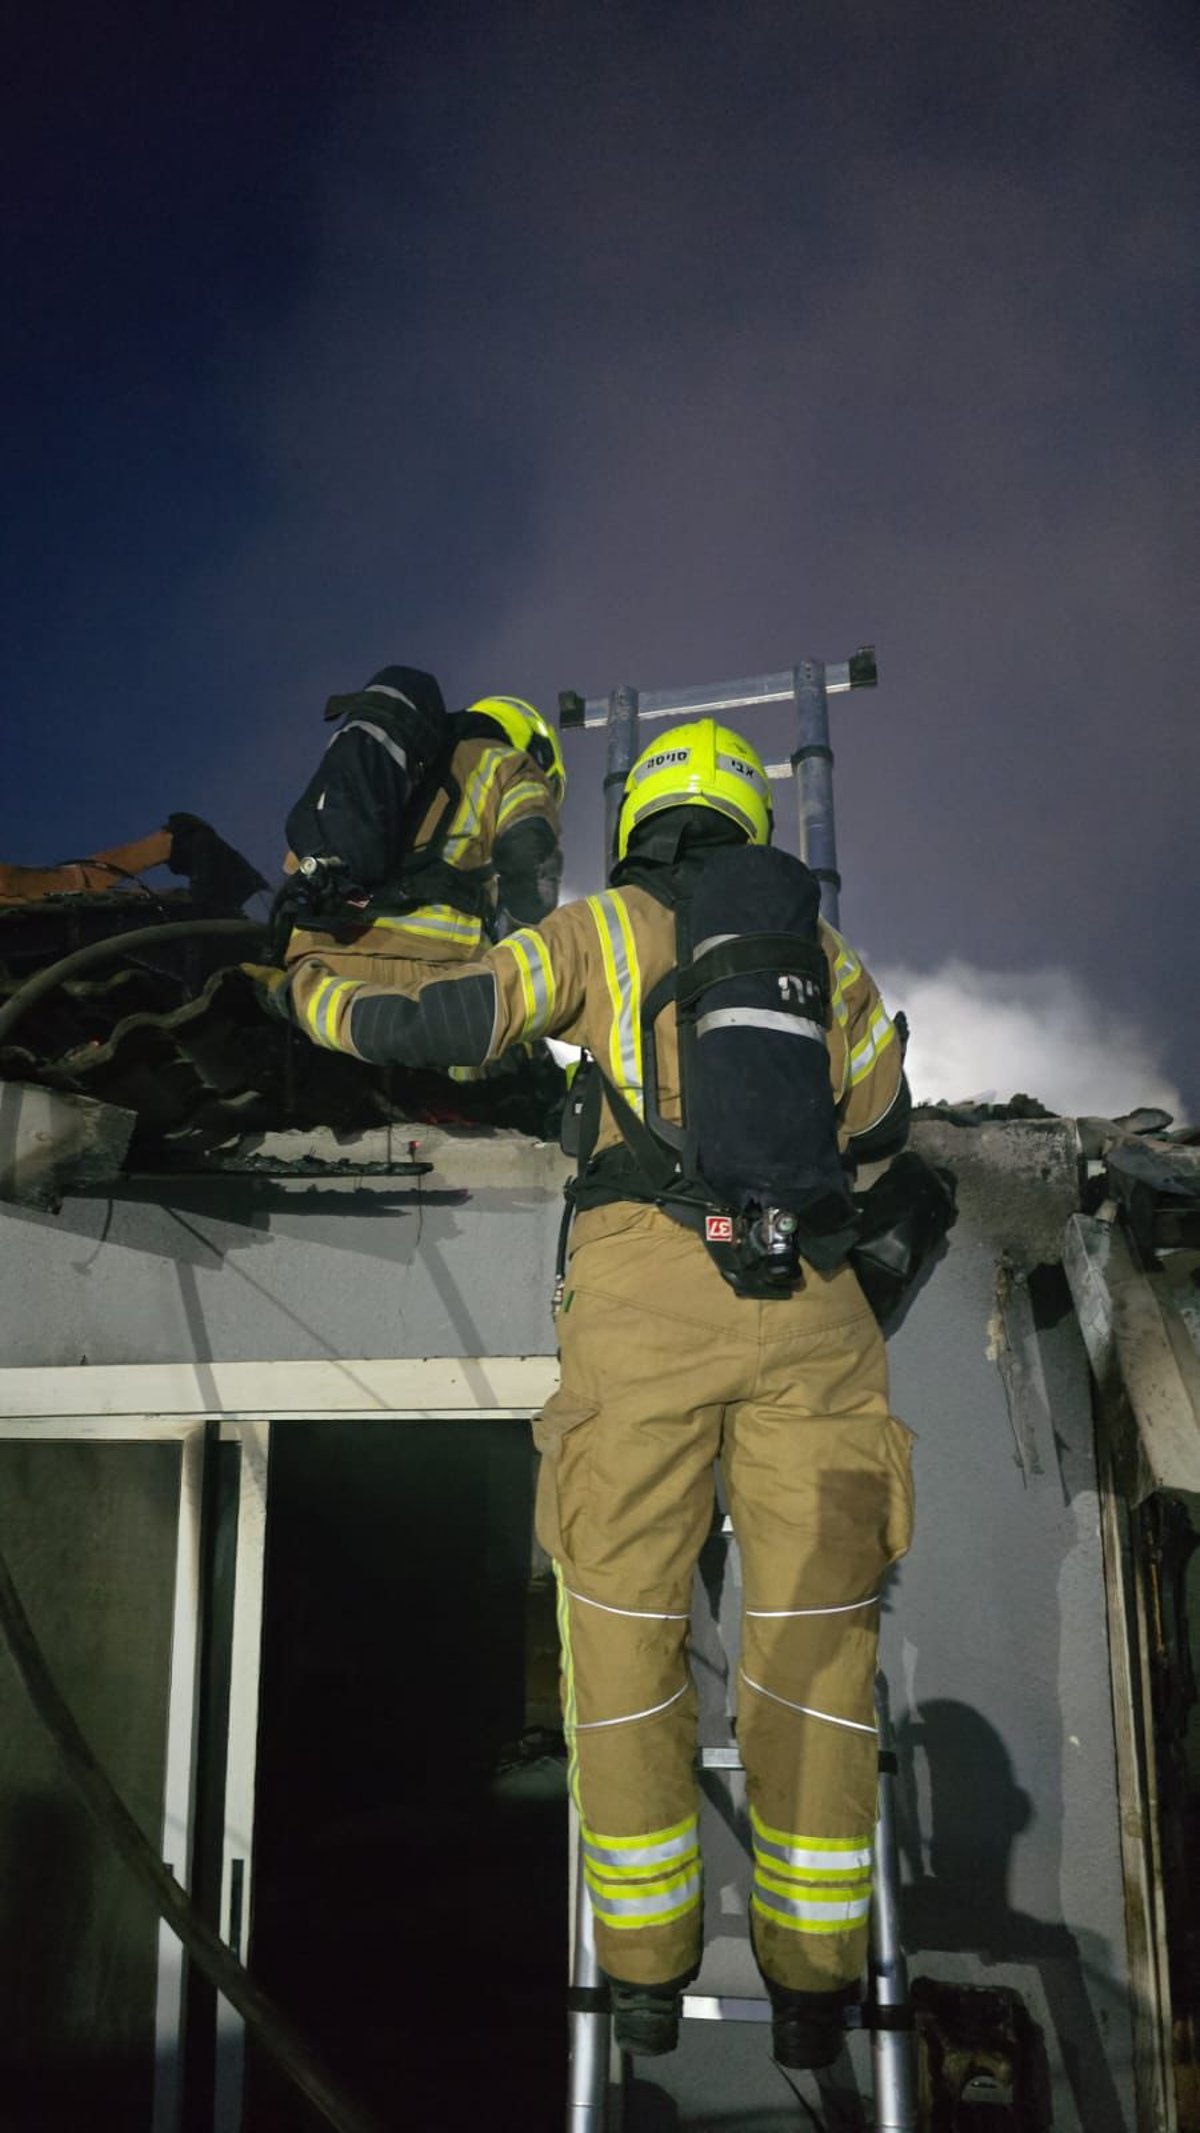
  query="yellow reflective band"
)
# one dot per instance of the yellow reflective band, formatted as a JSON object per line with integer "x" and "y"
{"x": 621, "y": 1889}
{"x": 880, "y": 1034}
{"x": 846, "y": 968}
{"x": 621, "y": 1858}
{"x": 312, "y": 1007}
{"x": 532, "y": 958}
{"x": 623, "y": 977}
{"x": 852, "y": 1888}
{"x": 821, "y": 1854}
{"x": 322, "y": 1011}
{"x": 798, "y": 1881}
{"x": 525, "y": 793}
{"x": 650, "y": 1836}
{"x": 437, "y": 922}
{"x": 779, "y": 1913}
{"x": 815, "y": 1910}
{"x": 469, "y": 811}
{"x": 654, "y": 1904}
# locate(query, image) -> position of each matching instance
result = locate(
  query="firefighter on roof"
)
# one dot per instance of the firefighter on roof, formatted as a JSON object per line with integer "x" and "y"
{"x": 709, "y": 1311}
{"x": 421, "y": 836}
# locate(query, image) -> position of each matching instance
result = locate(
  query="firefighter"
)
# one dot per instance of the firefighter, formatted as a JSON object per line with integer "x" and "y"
{"x": 429, "y": 858}
{"x": 666, "y": 1368}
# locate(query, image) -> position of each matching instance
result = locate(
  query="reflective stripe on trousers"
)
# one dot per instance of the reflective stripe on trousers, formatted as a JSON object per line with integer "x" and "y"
{"x": 810, "y": 1884}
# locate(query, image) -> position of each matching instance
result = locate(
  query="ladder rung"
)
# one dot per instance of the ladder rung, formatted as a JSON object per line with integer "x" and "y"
{"x": 720, "y": 1759}
{"x": 717, "y": 2007}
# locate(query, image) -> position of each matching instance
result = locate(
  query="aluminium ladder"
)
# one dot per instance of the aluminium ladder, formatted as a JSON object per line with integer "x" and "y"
{"x": 886, "y": 2012}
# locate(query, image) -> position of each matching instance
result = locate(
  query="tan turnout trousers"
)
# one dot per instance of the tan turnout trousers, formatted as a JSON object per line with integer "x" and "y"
{"x": 665, "y": 1370}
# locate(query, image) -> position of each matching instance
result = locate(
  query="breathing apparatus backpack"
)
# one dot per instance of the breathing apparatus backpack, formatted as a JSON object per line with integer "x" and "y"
{"x": 754, "y": 1168}
{"x": 355, "y": 827}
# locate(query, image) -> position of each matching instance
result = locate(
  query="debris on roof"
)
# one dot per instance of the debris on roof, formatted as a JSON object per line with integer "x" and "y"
{"x": 169, "y": 1036}
{"x": 977, "y": 1113}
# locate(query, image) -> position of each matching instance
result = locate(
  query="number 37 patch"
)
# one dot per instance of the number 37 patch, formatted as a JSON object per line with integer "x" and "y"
{"x": 718, "y": 1229}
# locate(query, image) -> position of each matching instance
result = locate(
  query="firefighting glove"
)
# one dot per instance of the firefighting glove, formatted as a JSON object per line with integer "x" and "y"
{"x": 904, "y": 1218}
{"x": 272, "y": 990}
{"x": 310, "y": 897}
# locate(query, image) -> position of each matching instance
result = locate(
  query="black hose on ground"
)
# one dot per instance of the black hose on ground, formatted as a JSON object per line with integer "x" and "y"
{"x": 114, "y": 944}
{"x": 285, "y": 2044}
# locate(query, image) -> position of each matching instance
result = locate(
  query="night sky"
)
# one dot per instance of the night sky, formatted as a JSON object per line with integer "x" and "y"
{"x": 559, "y": 345}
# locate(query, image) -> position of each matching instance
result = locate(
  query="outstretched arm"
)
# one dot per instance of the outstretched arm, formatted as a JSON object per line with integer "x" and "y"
{"x": 530, "y": 985}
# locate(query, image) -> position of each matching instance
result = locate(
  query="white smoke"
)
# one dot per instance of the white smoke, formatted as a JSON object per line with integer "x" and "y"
{"x": 988, "y": 1034}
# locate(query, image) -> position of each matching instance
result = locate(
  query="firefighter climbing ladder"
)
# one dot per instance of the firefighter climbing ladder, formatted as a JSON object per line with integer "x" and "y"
{"x": 887, "y": 2015}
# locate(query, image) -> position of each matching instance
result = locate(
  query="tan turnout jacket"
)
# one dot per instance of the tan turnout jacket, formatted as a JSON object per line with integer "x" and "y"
{"x": 500, "y": 786}
{"x": 582, "y": 974}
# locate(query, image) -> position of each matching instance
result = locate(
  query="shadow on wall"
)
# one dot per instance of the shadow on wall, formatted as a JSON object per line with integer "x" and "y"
{"x": 219, "y": 1215}
{"x": 957, "y": 1899}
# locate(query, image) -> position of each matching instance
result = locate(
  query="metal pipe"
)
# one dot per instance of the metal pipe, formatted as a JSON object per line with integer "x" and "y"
{"x": 622, "y": 725}
{"x": 893, "y": 2071}
{"x": 587, "y": 2073}
{"x": 813, "y": 765}
{"x": 113, "y": 944}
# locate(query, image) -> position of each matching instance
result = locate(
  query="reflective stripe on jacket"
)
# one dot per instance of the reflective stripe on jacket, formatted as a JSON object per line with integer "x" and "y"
{"x": 499, "y": 787}
{"x": 583, "y": 973}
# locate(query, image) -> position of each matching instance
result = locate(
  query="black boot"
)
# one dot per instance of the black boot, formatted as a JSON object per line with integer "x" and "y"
{"x": 807, "y": 2028}
{"x": 646, "y": 2017}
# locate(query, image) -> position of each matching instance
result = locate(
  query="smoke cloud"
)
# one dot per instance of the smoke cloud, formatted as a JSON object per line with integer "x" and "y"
{"x": 989, "y": 1034}
{"x": 984, "y": 1035}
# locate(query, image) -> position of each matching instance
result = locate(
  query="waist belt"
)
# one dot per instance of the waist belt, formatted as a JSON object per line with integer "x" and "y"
{"x": 616, "y": 1175}
{"x": 433, "y": 881}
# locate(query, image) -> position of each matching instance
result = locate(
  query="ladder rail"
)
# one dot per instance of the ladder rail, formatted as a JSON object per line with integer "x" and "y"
{"x": 590, "y": 2027}
{"x": 892, "y": 2061}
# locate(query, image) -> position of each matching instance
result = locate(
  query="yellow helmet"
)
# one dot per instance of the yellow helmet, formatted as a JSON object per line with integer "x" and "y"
{"x": 702, "y": 765}
{"x": 528, "y": 730}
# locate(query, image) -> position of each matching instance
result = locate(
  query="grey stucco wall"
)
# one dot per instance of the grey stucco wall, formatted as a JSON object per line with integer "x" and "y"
{"x": 995, "y": 1636}
{"x": 996, "y": 1641}
{"x": 247, "y": 1268}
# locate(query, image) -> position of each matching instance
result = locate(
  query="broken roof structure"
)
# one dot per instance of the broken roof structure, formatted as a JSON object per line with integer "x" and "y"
{"x": 156, "y": 1021}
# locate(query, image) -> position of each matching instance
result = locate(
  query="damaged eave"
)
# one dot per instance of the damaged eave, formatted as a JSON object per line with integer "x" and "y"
{"x": 53, "y": 1144}
{"x": 1139, "y": 1343}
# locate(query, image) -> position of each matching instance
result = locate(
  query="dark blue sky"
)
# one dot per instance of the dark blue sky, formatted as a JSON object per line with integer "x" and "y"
{"x": 557, "y": 345}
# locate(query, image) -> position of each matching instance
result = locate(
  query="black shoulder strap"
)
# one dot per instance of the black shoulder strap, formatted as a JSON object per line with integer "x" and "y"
{"x": 657, "y": 1163}
{"x": 438, "y": 779}
{"x": 686, "y": 1035}
{"x": 422, "y": 875}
